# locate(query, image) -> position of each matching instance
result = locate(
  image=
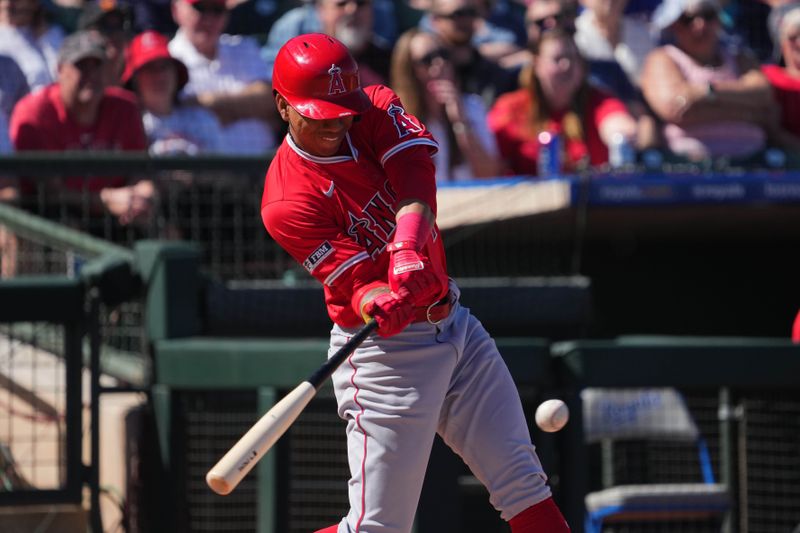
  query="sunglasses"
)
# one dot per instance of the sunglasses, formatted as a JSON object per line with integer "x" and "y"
{"x": 707, "y": 15}
{"x": 429, "y": 58}
{"x": 549, "y": 22}
{"x": 210, "y": 9}
{"x": 358, "y": 3}
{"x": 464, "y": 12}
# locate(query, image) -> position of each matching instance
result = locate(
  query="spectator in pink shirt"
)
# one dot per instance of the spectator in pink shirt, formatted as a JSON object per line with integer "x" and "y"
{"x": 712, "y": 97}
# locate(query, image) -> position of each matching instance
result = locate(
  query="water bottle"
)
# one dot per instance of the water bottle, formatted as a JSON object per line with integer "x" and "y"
{"x": 621, "y": 153}
{"x": 549, "y": 159}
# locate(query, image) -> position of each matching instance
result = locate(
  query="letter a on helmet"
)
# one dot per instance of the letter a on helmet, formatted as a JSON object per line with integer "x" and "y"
{"x": 319, "y": 78}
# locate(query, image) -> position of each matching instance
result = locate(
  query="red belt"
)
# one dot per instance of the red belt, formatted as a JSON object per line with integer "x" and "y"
{"x": 434, "y": 313}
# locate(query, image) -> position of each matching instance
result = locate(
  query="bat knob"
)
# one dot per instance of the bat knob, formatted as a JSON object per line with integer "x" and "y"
{"x": 218, "y": 483}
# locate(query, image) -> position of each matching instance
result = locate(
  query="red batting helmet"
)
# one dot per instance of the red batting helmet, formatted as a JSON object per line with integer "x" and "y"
{"x": 318, "y": 77}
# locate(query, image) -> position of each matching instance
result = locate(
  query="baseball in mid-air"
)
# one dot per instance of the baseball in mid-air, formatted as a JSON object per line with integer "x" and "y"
{"x": 552, "y": 415}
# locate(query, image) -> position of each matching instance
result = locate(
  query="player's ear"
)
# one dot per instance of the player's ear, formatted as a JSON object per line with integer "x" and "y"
{"x": 282, "y": 105}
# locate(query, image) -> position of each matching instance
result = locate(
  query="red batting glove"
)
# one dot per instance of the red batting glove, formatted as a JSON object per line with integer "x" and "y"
{"x": 392, "y": 313}
{"x": 410, "y": 274}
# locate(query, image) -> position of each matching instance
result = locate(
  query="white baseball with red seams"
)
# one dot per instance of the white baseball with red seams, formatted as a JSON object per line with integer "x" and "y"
{"x": 552, "y": 415}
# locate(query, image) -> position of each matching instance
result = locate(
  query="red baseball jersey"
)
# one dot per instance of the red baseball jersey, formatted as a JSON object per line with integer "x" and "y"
{"x": 41, "y": 122}
{"x": 335, "y": 215}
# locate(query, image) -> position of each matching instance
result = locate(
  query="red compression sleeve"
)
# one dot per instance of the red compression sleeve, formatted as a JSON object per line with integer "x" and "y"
{"x": 544, "y": 517}
{"x": 412, "y": 232}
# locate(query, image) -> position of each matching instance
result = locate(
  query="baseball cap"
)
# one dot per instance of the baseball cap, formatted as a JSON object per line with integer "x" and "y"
{"x": 148, "y": 47}
{"x": 81, "y": 45}
{"x": 105, "y": 16}
{"x": 669, "y": 11}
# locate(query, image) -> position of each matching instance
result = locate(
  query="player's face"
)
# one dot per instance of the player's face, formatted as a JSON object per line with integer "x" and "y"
{"x": 317, "y": 137}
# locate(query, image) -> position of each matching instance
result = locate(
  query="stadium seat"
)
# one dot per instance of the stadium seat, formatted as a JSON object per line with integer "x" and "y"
{"x": 613, "y": 415}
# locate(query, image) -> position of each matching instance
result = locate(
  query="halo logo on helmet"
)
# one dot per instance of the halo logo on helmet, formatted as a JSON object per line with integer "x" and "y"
{"x": 316, "y": 74}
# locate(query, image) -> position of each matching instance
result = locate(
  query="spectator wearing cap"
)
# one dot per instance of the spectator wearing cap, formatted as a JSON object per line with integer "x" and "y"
{"x": 113, "y": 20}
{"x": 785, "y": 80}
{"x": 156, "y": 78}
{"x": 80, "y": 113}
{"x": 351, "y": 21}
{"x": 29, "y": 39}
{"x": 713, "y": 99}
{"x": 227, "y": 76}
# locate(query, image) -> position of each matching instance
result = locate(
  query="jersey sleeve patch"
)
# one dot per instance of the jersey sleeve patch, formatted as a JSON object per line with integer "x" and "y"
{"x": 317, "y": 256}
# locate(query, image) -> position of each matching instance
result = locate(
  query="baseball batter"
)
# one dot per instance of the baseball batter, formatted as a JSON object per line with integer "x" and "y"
{"x": 351, "y": 195}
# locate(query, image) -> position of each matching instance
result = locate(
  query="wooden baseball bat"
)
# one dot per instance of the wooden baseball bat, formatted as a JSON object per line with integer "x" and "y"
{"x": 243, "y": 456}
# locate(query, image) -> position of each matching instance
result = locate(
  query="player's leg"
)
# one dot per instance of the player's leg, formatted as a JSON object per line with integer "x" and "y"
{"x": 390, "y": 392}
{"x": 482, "y": 420}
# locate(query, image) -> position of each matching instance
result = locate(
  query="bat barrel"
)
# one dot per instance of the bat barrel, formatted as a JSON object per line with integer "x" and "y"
{"x": 234, "y": 465}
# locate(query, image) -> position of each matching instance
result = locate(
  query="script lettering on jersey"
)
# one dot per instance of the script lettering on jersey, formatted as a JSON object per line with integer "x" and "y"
{"x": 403, "y": 122}
{"x": 373, "y": 227}
{"x": 336, "y": 85}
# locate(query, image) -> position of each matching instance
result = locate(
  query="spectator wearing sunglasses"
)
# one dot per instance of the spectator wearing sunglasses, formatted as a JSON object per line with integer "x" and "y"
{"x": 713, "y": 99}
{"x": 541, "y": 16}
{"x": 353, "y": 22}
{"x": 494, "y": 42}
{"x": 227, "y": 76}
{"x": 425, "y": 80}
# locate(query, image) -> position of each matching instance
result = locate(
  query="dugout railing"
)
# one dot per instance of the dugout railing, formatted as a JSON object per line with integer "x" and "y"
{"x": 57, "y": 337}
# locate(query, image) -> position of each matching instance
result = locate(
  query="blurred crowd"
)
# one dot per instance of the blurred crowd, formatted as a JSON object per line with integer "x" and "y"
{"x": 507, "y": 87}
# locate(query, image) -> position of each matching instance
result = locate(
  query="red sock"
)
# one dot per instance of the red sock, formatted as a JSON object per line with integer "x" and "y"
{"x": 331, "y": 529}
{"x": 544, "y": 517}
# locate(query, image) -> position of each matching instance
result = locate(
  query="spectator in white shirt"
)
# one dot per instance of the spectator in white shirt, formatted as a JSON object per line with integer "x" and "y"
{"x": 604, "y": 33}
{"x": 227, "y": 76}
{"x": 156, "y": 77}
{"x": 27, "y": 37}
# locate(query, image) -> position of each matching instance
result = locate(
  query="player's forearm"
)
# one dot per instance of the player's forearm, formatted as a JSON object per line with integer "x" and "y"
{"x": 253, "y": 102}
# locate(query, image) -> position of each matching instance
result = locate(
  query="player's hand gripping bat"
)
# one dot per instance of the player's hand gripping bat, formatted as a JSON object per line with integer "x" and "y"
{"x": 243, "y": 456}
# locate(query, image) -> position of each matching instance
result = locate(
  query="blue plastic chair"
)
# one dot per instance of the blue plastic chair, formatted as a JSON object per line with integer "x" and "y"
{"x": 611, "y": 414}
